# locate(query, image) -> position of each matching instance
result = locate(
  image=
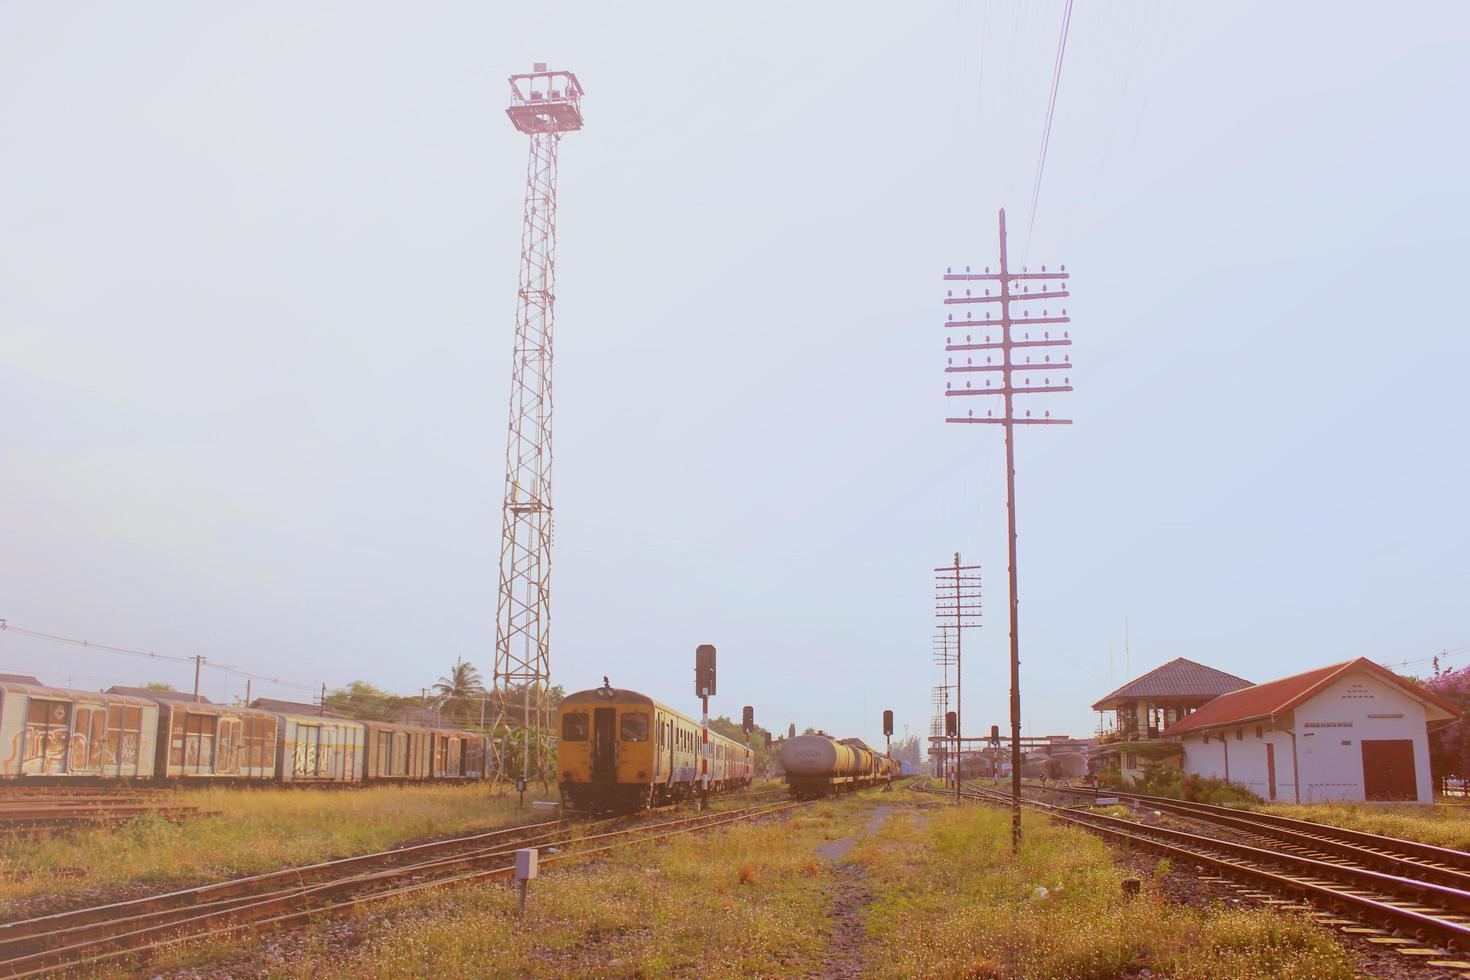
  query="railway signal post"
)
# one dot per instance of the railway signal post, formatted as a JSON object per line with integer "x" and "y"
{"x": 704, "y": 686}
{"x": 996, "y": 337}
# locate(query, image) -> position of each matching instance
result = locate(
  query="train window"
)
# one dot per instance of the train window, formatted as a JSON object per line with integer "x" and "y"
{"x": 634, "y": 726}
{"x": 574, "y": 727}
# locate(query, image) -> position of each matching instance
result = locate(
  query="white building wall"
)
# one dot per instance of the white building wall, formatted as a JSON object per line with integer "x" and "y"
{"x": 1331, "y": 728}
{"x": 1241, "y": 759}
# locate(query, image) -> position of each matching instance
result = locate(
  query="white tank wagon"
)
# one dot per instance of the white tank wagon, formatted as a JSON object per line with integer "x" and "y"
{"x": 818, "y": 765}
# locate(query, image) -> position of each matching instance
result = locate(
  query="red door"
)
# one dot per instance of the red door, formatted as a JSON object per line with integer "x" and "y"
{"x": 1388, "y": 769}
{"x": 1271, "y": 769}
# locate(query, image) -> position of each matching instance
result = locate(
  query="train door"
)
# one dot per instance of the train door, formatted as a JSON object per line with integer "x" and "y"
{"x": 89, "y": 732}
{"x": 47, "y": 731}
{"x": 604, "y": 749}
{"x": 199, "y": 731}
{"x": 672, "y": 768}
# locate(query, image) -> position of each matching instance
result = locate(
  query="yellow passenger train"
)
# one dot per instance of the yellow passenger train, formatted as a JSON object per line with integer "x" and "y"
{"x": 621, "y": 750}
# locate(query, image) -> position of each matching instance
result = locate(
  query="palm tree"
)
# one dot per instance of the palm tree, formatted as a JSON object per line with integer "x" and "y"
{"x": 462, "y": 683}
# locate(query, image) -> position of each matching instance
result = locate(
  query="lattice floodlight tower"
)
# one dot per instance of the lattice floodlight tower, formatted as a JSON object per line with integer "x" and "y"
{"x": 544, "y": 105}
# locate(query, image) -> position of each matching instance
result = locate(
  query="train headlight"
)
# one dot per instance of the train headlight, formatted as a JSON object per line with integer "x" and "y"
{"x": 566, "y": 776}
{"x": 642, "y": 775}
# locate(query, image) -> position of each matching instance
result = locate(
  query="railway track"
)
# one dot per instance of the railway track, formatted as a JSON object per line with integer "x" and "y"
{"x": 1389, "y": 909}
{"x": 1414, "y": 858}
{"x": 44, "y": 812}
{"x": 89, "y": 937}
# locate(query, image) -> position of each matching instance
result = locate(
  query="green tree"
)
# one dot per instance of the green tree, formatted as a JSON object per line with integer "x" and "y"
{"x": 765, "y": 759}
{"x": 158, "y": 686}
{"x": 1449, "y": 747}
{"x": 453, "y": 692}
{"x": 362, "y": 700}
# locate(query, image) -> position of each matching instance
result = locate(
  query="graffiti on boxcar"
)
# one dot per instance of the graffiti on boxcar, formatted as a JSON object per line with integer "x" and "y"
{"x": 40, "y": 751}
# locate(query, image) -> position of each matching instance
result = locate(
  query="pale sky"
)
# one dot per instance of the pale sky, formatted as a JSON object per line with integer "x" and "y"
{"x": 257, "y": 284}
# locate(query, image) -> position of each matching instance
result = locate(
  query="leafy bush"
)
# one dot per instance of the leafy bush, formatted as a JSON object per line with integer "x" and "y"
{"x": 1179, "y": 785}
{"x": 1161, "y": 781}
{"x": 1110, "y": 777}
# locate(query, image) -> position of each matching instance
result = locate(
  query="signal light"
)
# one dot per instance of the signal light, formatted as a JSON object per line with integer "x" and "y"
{"x": 951, "y": 724}
{"x": 747, "y": 720}
{"x": 704, "y": 670}
{"x": 887, "y": 722}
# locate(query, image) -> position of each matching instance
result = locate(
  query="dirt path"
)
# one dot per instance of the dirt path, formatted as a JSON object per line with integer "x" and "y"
{"x": 850, "y": 896}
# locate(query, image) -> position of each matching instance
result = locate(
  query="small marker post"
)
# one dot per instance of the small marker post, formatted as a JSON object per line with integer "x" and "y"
{"x": 525, "y": 871}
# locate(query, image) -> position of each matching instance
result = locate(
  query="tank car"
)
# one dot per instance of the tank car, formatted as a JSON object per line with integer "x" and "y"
{"x": 817, "y": 765}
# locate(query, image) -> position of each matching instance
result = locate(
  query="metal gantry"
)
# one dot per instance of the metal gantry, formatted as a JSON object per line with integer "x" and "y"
{"x": 992, "y": 337}
{"x": 544, "y": 105}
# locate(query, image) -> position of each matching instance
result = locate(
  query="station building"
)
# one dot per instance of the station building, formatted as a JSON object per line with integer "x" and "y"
{"x": 1133, "y": 718}
{"x": 1351, "y": 731}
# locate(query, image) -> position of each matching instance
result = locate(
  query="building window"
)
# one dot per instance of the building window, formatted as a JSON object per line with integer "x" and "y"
{"x": 1240, "y": 734}
{"x": 1258, "y": 731}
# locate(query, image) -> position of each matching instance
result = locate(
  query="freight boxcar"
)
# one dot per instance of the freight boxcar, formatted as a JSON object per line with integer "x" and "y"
{"x": 199, "y": 741}
{"x": 403, "y": 753}
{"x": 50, "y": 734}
{"x": 621, "y": 750}
{"x": 320, "y": 749}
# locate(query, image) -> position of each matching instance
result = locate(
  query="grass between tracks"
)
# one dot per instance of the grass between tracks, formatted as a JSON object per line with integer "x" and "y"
{"x": 1443, "y": 826}
{"x": 946, "y": 899}
{"x": 951, "y": 901}
{"x": 746, "y": 901}
{"x": 256, "y": 830}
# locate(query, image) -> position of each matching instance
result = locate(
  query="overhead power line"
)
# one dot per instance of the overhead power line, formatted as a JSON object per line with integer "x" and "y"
{"x": 1051, "y": 106}
{"x": 147, "y": 655}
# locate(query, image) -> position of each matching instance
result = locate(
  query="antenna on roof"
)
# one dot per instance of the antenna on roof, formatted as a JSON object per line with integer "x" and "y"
{"x": 1127, "y": 669}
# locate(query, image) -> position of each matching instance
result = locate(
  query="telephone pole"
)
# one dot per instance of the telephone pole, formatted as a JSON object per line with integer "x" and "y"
{"x": 957, "y": 606}
{"x": 944, "y": 657}
{"x": 999, "y": 338}
{"x": 545, "y": 105}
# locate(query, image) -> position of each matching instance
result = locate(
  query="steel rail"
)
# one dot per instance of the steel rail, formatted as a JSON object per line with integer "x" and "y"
{"x": 1419, "y": 919}
{"x": 1451, "y": 858}
{"x": 139, "y": 934}
{"x": 1320, "y": 839}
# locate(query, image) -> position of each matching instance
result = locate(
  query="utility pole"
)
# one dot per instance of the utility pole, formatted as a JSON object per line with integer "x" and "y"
{"x": 322, "y": 710}
{"x": 545, "y": 105}
{"x": 1007, "y": 345}
{"x": 945, "y": 659}
{"x": 247, "y": 692}
{"x": 198, "y": 662}
{"x": 957, "y": 604}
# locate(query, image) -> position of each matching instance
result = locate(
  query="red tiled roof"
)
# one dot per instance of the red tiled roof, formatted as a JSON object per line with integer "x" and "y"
{"x": 1277, "y": 697}
{"x": 1179, "y": 678}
